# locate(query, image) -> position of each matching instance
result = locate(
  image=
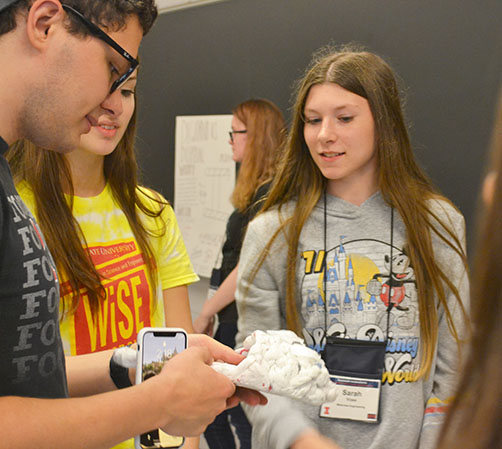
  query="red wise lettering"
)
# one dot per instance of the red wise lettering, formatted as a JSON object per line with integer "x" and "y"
{"x": 120, "y": 317}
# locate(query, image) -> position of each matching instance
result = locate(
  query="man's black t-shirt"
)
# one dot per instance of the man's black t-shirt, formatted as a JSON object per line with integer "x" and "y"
{"x": 31, "y": 352}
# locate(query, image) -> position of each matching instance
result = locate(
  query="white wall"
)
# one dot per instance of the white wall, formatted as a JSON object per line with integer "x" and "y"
{"x": 197, "y": 293}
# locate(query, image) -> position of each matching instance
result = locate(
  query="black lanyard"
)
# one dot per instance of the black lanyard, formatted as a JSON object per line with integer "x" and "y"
{"x": 325, "y": 267}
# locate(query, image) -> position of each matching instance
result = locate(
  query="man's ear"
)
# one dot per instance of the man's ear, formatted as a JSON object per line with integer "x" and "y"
{"x": 42, "y": 18}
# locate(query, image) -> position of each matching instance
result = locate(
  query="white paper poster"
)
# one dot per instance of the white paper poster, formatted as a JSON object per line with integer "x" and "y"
{"x": 204, "y": 179}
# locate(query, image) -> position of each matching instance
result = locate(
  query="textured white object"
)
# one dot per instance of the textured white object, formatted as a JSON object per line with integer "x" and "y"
{"x": 278, "y": 362}
{"x": 125, "y": 356}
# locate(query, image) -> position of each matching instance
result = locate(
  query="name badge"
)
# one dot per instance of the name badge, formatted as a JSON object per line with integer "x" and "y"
{"x": 357, "y": 399}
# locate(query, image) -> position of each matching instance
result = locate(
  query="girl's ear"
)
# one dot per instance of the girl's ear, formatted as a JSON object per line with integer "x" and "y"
{"x": 43, "y": 17}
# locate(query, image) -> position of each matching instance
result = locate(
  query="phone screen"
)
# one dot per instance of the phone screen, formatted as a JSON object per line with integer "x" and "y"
{"x": 158, "y": 347}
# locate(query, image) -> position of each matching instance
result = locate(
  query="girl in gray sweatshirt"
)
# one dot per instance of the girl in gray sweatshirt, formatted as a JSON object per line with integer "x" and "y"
{"x": 359, "y": 254}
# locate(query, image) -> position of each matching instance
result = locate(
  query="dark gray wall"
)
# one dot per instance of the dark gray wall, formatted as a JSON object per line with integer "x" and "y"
{"x": 448, "y": 54}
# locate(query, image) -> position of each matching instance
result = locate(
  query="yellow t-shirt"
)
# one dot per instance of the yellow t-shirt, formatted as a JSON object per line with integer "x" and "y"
{"x": 130, "y": 303}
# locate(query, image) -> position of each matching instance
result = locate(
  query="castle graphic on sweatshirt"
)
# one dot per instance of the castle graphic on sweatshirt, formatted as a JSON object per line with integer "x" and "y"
{"x": 363, "y": 277}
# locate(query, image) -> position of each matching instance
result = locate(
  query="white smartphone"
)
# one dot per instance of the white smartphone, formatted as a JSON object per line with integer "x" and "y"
{"x": 156, "y": 345}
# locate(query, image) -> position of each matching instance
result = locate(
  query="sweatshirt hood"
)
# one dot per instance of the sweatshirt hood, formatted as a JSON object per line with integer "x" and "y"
{"x": 337, "y": 207}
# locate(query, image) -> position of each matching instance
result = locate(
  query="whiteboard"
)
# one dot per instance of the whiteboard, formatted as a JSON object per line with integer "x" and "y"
{"x": 204, "y": 178}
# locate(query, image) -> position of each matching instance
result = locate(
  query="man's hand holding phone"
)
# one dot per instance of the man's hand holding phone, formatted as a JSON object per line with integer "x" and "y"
{"x": 191, "y": 394}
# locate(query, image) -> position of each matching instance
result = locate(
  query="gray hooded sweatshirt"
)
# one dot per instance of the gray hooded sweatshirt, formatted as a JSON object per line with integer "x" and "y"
{"x": 358, "y": 281}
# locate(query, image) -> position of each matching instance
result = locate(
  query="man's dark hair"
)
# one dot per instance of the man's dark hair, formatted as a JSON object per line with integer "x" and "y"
{"x": 112, "y": 14}
{"x": 108, "y": 14}
{"x": 9, "y": 14}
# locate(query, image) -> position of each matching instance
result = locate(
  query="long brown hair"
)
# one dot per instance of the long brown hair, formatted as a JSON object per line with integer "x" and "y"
{"x": 265, "y": 132}
{"x": 402, "y": 184}
{"x": 475, "y": 416}
{"x": 48, "y": 174}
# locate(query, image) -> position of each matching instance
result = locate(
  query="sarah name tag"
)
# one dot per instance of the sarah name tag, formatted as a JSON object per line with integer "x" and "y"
{"x": 357, "y": 399}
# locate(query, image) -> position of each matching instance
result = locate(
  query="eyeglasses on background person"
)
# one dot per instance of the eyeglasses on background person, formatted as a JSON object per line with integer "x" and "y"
{"x": 231, "y": 133}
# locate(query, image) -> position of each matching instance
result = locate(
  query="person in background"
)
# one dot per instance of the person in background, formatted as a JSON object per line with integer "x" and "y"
{"x": 118, "y": 250}
{"x": 357, "y": 252}
{"x": 61, "y": 66}
{"x": 258, "y": 129}
{"x": 474, "y": 417}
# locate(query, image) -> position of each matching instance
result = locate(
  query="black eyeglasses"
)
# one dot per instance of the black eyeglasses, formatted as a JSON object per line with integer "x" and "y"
{"x": 231, "y": 134}
{"x": 100, "y": 34}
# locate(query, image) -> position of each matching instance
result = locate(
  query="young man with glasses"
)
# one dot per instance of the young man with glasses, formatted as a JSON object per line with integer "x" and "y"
{"x": 59, "y": 62}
